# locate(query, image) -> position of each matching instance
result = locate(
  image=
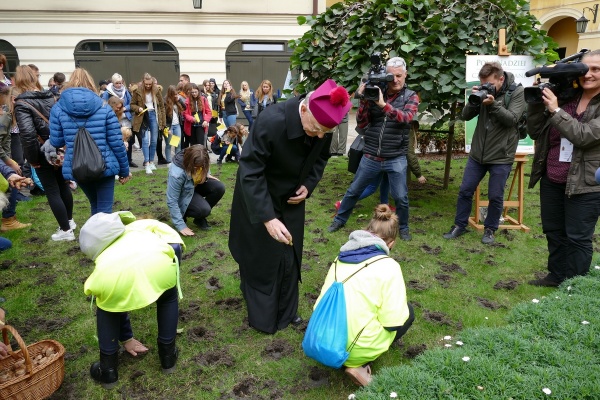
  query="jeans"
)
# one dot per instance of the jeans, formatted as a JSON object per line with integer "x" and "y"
{"x": 370, "y": 171}
{"x": 100, "y": 193}
{"x": 235, "y": 152}
{"x": 5, "y": 244}
{"x": 58, "y": 194}
{"x": 149, "y": 137}
{"x": 248, "y": 115}
{"x": 384, "y": 189}
{"x": 339, "y": 138}
{"x": 229, "y": 119}
{"x": 11, "y": 208}
{"x": 113, "y": 327}
{"x": 474, "y": 173}
{"x": 568, "y": 223}
{"x": 175, "y": 131}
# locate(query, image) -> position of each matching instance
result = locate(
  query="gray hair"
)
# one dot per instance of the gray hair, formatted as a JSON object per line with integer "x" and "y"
{"x": 396, "y": 62}
{"x": 116, "y": 77}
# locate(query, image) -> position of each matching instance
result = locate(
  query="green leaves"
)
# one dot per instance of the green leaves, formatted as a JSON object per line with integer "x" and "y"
{"x": 432, "y": 36}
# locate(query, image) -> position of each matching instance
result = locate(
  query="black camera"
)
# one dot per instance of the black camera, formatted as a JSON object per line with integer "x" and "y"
{"x": 377, "y": 78}
{"x": 476, "y": 98}
{"x": 563, "y": 79}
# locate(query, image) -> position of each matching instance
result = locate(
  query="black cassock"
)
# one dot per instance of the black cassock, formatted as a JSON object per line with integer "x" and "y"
{"x": 278, "y": 157}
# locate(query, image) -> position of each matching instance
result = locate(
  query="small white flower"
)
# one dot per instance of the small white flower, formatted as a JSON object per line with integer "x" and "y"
{"x": 459, "y": 343}
{"x": 486, "y": 318}
{"x": 447, "y": 337}
{"x": 556, "y": 297}
{"x": 465, "y": 358}
{"x": 535, "y": 301}
{"x": 393, "y": 395}
{"x": 351, "y": 396}
{"x": 547, "y": 391}
{"x": 569, "y": 287}
{"x": 585, "y": 322}
{"x": 597, "y": 267}
{"x": 447, "y": 345}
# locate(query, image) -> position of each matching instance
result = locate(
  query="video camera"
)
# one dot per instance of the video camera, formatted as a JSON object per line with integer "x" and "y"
{"x": 480, "y": 95}
{"x": 563, "y": 79}
{"x": 377, "y": 78}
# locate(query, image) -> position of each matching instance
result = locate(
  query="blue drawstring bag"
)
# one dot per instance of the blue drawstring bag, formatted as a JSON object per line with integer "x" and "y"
{"x": 327, "y": 332}
{"x": 326, "y": 336}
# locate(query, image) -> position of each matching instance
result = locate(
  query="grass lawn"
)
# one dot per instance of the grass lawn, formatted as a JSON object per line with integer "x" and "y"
{"x": 452, "y": 284}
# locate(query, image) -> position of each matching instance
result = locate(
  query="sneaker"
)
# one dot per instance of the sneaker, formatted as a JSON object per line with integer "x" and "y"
{"x": 63, "y": 235}
{"x": 132, "y": 164}
{"x": 148, "y": 169}
{"x": 454, "y": 232}
{"x": 337, "y": 205}
{"x": 152, "y": 166}
{"x": 335, "y": 226}
{"x": 72, "y": 224}
{"x": 546, "y": 281}
{"x": 405, "y": 235}
{"x": 162, "y": 161}
{"x": 219, "y": 162}
{"x": 488, "y": 236}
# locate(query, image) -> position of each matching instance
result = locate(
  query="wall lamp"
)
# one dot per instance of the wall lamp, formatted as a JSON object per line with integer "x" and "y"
{"x": 582, "y": 22}
{"x": 198, "y": 4}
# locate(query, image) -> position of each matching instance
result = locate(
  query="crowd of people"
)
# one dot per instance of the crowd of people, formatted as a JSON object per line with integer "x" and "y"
{"x": 281, "y": 157}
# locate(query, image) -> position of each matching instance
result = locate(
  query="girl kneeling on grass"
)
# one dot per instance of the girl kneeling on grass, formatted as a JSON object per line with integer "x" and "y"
{"x": 377, "y": 309}
{"x": 137, "y": 264}
{"x": 192, "y": 191}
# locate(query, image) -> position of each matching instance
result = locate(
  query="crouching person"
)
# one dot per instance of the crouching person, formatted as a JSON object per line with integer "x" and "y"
{"x": 148, "y": 274}
{"x": 375, "y": 293}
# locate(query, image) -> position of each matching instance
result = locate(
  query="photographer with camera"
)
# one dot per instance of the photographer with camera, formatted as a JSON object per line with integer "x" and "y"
{"x": 385, "y": 119}
{"x": 493, "y": 146}
{"x": 567, "y": 153}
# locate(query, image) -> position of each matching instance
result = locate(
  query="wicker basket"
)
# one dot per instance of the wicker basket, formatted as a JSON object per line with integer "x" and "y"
{"x": 39, "y": 381}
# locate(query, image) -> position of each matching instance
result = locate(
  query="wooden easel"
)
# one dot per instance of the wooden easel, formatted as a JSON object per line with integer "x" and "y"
{"x": 510, "y": 222}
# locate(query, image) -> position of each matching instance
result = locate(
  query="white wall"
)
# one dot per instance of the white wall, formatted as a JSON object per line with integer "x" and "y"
{"x": 47, "y": 38}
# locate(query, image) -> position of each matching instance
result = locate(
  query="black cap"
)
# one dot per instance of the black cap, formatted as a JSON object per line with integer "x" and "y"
{"x": 212, "y": 80}
{"x": 103, "y": 83}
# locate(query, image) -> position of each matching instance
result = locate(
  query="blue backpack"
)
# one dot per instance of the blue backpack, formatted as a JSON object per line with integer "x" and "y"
{"x": 327, "y": 332}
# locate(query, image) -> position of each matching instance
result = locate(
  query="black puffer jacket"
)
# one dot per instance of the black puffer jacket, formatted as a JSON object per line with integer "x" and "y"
{"x": 384, "y": 137}
{"x": 31, "y": 124}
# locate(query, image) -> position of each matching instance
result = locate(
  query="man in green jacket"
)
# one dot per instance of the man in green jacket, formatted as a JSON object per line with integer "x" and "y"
{"x": 493, "y": 147}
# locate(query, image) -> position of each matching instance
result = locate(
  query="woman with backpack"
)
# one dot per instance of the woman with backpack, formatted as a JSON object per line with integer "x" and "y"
{"x": 80, "y": 106}
{"x": 374, "y": 292}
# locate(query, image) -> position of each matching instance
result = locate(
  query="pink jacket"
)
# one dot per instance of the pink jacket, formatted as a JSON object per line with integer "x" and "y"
{"x": 189, "y": 119}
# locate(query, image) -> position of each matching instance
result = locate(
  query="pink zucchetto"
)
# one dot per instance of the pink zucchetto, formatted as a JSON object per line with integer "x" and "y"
{"x": 329, "y": 103}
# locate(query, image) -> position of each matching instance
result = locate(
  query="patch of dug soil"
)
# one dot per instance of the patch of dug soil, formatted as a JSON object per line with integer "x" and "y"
{"x": 414, "y": 350}
{"x": 6, "y": 264}
{"x": 43, "y": 325}
{"x": 492, "y": 305}
{"x": 215, "y": 358}
{"x": 311, "y": 298}
{"x": 197, "y": 269}
{"x": 46, "y": 280}
{"x": 453, "y": 268}
{"x": 9, "y": 284}
{"x": 321, "y": 240}
{"x": 509, "y": 284}
{"x": 189, "y": 313}
{"x": 231, "y": 303}
{"x": 435, "y": 251}
{"x": 318, "y": 377}
{"x": 416, "y": 285}
{"x": 199, "y": 333}
{"x": 213, "y": 283}
{"x": 443, "y": 279}
{"x": 436, "y": 317}
{"x": 245, "y": 387}
{"x": 277, "y": 349}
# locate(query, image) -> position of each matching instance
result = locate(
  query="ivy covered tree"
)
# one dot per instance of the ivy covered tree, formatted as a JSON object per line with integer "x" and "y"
{"x": 433, "y": 37}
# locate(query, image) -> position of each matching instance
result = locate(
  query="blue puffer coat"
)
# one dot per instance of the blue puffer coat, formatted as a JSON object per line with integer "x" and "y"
{"x": 79, "y": 106}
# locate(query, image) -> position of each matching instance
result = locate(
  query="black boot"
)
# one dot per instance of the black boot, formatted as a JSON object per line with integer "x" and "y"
{"x": 106, "y": 371}
{"x": 168, "y": 354}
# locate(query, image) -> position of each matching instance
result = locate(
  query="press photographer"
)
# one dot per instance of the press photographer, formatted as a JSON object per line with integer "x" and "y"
{"x": 566, "y": 128}
{"x": 498, "y": 103}
{"x": 385, "y": 117}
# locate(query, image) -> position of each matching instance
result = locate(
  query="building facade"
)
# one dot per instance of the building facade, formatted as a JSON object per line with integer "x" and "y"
{"x": 559, "y": 17}
{"x": 143, "y": 34}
